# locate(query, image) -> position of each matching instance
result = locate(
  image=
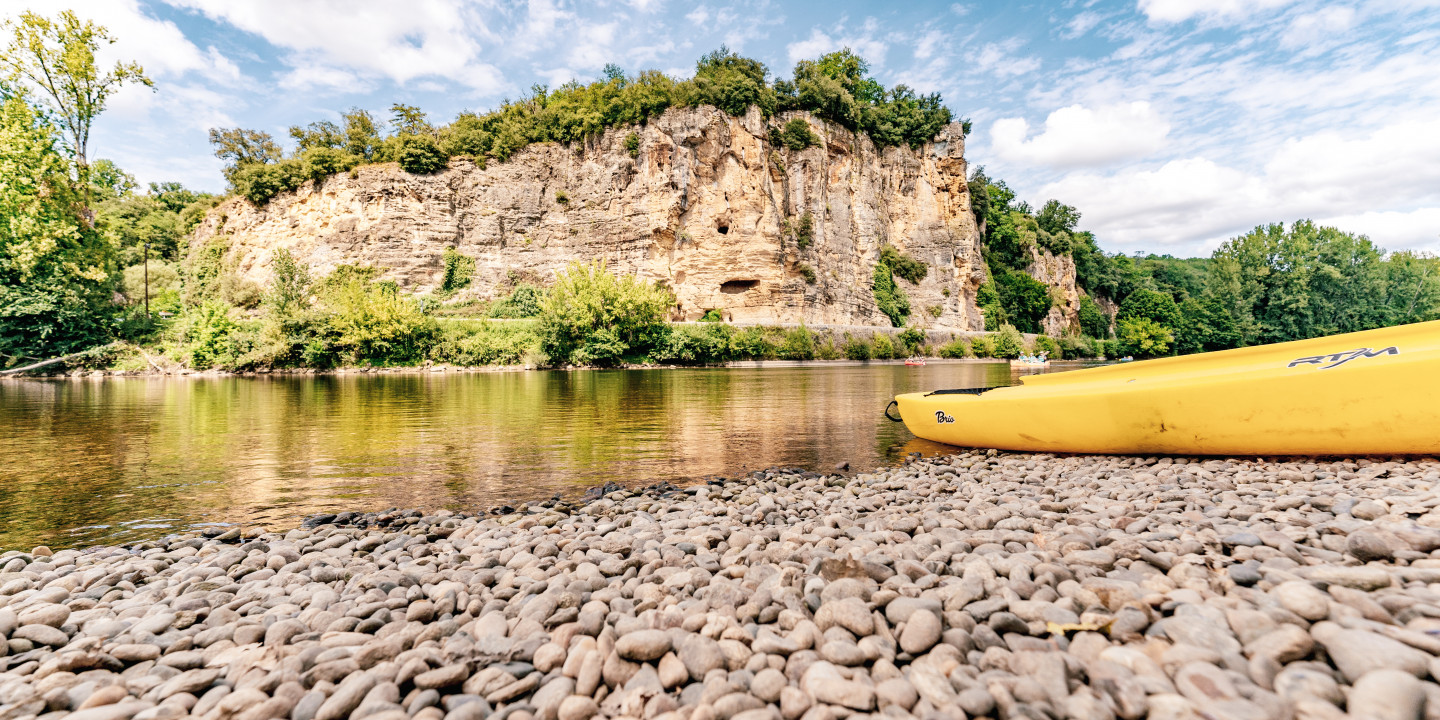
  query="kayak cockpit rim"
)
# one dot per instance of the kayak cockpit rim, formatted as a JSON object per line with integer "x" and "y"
{"x": 960, "y": 391}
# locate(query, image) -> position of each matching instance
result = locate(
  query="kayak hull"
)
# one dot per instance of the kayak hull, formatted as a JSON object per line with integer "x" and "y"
{"x": 1369, "y": 393}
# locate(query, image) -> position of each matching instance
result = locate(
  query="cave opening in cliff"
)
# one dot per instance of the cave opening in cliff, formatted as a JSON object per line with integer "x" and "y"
{"x": 735, "y": 287}
{"x": 723, "y": 229}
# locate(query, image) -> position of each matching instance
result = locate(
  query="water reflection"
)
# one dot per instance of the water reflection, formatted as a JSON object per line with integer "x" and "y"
{"x": 116, "y": 460}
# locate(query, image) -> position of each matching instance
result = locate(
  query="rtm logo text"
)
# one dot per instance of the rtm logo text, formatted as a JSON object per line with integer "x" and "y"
{"x": 1337, "y": 359}
{"x": 942, "y": 418}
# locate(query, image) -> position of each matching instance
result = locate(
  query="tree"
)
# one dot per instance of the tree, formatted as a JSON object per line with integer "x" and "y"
{"x": 1308, "y": 280}
{"x": 593, "y": 317}
{"x": 362, "y": 133}
{"x": 1025, "y": 299}
{"x": 1093, "y": 321}
{"x": 1143, "y": 337}
{"x": 1150, "y": 305}
{"x": 1057, "y": 217}
{"x": 409, "y": 120}
{"x": 57, "y": 58}
{"x": 324, "y": 134}
{"x": 241, "y": 148}
{"x": 54, "y": 268}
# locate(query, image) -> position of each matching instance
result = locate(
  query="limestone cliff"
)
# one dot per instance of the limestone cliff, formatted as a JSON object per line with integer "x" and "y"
{"x": 706, "y": 205}
{"x": 1057, "y": 272}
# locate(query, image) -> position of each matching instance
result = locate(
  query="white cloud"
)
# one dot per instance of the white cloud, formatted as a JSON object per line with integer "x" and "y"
{"x": 374, "y": 38}
{"x": 1077, "y": 136}
{"x": 1197, "y": 201}
{"x": 998, "y": 58}
{"x": 592, "y": 46}
{"x": 1416, "y": 229}
{"x": 820, "y": 43}
{"x": 698, "y": 16}
{"x": 158, "y": 45}
{"x": 1081, "y": 24}
{"x": 1319, "y": 27}
{"x": 1174, "y": 11}
{"x": 319, "y": 77}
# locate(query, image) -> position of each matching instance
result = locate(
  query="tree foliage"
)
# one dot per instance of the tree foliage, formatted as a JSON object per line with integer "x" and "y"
{"x": 835, "y": 87}
{"x": 56, "y": 58}
{"x": 889, "y": 298}
{"x": 54, "y": 268}
{"x": 593, "y": 317}
{"x": 1026, "y": 301}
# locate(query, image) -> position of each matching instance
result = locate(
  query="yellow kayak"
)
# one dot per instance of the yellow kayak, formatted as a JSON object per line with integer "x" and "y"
{"x": 1368, "y": 393}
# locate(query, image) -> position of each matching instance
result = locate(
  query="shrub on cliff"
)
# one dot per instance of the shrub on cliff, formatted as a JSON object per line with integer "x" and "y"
{"x": 834, "y": 87}
{"x": 322, "y": 162}
{"x": 889, "y": 298}
{"x": 419, "y": 155}
{"x": 594, "y": 317}
{"x": 903, "y": 265}
{"x": 459, "y": 269}
{"x": 259, "y": 183}
{"x": 797, "y": 135}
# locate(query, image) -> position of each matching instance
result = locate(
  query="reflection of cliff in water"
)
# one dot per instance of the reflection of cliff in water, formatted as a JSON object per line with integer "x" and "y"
{"x": 168, "y": 453}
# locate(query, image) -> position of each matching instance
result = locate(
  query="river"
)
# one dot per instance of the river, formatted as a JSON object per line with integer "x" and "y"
{"x": 87, "y": 461}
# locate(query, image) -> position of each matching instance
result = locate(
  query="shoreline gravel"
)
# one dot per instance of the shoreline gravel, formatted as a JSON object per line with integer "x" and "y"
{"x": 979, "y": 584}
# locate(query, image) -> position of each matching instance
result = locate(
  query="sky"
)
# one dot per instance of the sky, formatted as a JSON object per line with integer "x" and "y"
{"x": 1172, "y": 125}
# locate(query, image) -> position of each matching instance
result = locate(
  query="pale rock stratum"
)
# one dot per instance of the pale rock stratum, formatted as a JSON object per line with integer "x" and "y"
{"x": 707, "y": 206}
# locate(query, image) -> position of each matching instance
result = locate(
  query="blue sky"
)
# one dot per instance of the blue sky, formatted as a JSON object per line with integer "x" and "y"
{"x": 1171, "y": 124}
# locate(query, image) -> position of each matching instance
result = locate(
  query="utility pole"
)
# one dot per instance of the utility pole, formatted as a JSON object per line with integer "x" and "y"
{"x": 147, "y": 281}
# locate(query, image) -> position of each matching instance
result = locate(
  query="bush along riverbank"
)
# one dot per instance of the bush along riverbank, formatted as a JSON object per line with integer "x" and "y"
{"x": 589, "y": 317}
{"x": 974, "y": 585}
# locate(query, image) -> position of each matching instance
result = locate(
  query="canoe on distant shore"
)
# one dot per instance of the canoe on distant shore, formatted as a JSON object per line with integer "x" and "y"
{"x": 1368, "y": 393}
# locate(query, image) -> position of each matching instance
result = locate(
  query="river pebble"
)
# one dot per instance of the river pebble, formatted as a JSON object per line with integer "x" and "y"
{"x": 979, "y": 584}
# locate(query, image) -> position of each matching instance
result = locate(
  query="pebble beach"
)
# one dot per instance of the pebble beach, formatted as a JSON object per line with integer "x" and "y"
{"x": 979, "y": 584}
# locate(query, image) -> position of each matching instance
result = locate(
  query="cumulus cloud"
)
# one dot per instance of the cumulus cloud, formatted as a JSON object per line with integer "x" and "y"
{"x": 158, "y": 45}
{"x": 1415, "y": 229}
{"x": 373, "y": 38}
{"x": 1077, "y": 136}
{"x": 1197, "y": 201}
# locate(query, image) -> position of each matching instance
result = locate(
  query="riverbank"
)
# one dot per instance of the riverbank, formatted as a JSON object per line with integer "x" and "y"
{"x": 478, "y": 344}
{"x": 1001, "y": 585}
{"x": 471, "y": 369}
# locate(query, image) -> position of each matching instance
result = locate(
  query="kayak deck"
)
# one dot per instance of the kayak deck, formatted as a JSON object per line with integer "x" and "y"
{"x": 1373, "y": 392}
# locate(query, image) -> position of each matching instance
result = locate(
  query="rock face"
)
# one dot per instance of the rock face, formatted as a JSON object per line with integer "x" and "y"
{"x": 1058, "y": 272}
{"x": 707, "y": 206}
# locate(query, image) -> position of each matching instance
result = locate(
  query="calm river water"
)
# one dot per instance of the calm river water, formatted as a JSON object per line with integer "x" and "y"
{"x": 123, "y": 459}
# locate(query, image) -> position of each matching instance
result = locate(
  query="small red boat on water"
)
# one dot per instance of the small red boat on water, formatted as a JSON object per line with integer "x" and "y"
{"x": 915, "y": 362}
